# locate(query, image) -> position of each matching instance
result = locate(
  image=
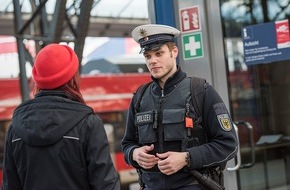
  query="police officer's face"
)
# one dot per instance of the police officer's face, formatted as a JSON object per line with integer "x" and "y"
{"x": 161, "y": 62}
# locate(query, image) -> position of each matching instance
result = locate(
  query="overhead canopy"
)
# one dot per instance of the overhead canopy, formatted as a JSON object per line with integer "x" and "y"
{"x": 109, "y": 18}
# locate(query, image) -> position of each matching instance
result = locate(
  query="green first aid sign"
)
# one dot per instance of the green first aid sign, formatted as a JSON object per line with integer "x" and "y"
{"x": 192, "y": 46}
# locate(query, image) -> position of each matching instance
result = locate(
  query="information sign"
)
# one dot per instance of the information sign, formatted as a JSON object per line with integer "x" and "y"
{"x": 265, "y": 43}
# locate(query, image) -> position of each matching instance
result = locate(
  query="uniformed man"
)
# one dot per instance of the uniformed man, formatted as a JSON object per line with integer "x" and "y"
{"x": 159, "y": 141}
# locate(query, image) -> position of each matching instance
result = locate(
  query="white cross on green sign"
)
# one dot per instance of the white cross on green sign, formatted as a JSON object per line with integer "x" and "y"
{"x": 192, "y": 46}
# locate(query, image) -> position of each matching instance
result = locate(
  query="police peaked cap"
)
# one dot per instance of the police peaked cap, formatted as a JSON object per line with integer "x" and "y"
{"x": 152, "y": 36}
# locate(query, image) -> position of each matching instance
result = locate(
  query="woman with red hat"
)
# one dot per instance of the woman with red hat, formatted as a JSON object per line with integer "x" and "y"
{"x": 55, "y": 141}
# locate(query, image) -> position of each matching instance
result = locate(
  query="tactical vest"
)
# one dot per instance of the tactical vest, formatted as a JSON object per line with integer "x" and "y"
{"x": 161, "y": 120}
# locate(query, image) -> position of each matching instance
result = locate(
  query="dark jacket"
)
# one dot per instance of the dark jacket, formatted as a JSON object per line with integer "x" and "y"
{"x": 56, "y": 143}
{"x": 221, "y": 141}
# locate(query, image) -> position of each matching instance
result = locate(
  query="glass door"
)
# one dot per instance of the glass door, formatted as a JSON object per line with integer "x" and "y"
{"x": 260, "y": 95}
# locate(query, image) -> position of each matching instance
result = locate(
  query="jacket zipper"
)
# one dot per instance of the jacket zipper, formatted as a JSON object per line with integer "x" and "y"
{"x": 160, "y": 128}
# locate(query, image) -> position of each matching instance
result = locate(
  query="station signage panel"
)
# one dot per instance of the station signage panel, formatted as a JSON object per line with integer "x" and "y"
{"x": 191, "y": 36}
{"x": 267, "y": 42}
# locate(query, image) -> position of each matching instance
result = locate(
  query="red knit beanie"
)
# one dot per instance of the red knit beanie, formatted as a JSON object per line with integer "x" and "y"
{"x": 54, "y": 66}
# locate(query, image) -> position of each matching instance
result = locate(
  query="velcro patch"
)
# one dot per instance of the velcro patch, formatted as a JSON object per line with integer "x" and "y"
{"x": 220, "y": 108}
{"x": 225, "y": 122}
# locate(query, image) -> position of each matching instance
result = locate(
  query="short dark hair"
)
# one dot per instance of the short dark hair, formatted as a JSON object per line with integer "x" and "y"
{"x": 170, "y": 45}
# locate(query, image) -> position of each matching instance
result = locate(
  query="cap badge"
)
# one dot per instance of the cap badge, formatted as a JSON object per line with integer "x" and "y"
{"x": 143, "y": 33}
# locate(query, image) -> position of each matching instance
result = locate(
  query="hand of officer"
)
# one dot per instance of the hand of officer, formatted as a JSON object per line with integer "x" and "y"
{"x": 171, "y": 162}
{"x": 145, "y": 160}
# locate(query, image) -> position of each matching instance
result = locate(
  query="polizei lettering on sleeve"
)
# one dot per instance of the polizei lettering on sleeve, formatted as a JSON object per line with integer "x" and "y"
{"x": 144, "y": 117}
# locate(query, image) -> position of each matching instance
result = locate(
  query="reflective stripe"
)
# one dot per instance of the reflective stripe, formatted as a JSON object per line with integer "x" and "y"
{"x": 16, "y": 140}
{"x": 69, "y": 137}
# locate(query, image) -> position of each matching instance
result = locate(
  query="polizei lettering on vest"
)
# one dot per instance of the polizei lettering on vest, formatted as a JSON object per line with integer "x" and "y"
{"x": 143, "y": 118}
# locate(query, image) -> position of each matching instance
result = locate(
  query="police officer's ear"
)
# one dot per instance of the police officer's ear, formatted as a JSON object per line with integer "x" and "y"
{"x": 172, "y": 49}
{"x": 174, "y": 52}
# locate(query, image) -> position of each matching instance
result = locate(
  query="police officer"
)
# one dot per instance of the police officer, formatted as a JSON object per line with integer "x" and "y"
{"x": 156, "y": 141}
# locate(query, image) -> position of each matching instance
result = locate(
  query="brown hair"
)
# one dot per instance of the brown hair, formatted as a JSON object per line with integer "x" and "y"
{"x": 71, "y": 89}
{"x": 170, "y": 45}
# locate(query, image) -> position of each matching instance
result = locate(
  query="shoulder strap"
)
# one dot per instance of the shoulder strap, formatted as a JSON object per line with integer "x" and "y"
{"x": 138, "y": 95}
{"x": 197, "y": 91}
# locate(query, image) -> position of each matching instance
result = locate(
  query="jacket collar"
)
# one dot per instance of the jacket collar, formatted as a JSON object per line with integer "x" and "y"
{"x": 51, "y": 93}
{"x": 171, "y": 82}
